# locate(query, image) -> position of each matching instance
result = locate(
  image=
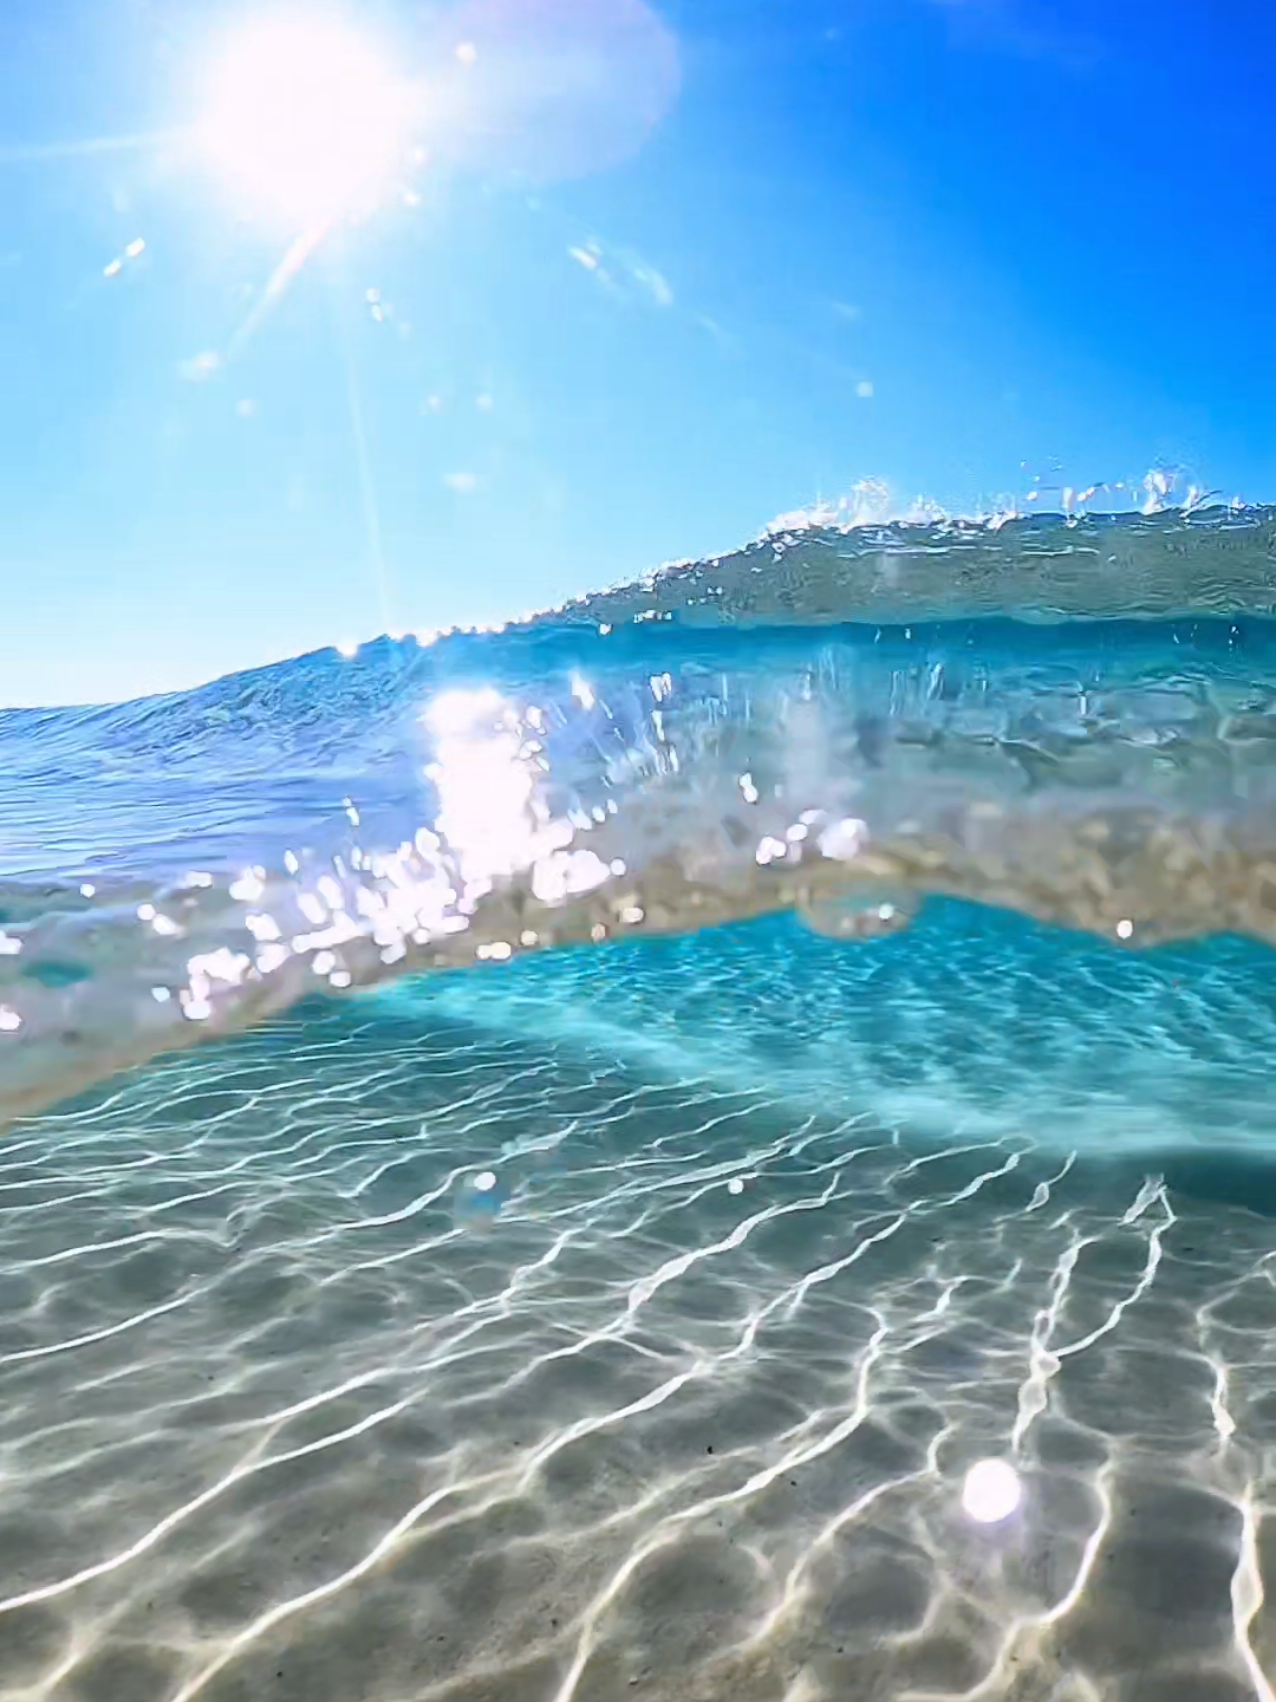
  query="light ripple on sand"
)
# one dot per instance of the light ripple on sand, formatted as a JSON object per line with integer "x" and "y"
{"x": 335, "y": 1433}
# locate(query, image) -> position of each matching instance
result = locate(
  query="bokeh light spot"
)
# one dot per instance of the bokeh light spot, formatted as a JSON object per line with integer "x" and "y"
{"x": 992, "y": 1492}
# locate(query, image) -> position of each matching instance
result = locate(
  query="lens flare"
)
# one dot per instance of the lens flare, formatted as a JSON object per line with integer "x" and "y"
{"x": 992, "y": 1492}
{"x": 546, "y": 90}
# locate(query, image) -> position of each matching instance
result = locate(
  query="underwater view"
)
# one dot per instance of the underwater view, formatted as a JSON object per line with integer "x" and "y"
{"x": 711, "y": 1144}
{"x": 575, "y": 1129}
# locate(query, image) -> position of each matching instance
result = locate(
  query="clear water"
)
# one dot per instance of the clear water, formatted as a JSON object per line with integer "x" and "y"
{"x": 536, "y": 1163}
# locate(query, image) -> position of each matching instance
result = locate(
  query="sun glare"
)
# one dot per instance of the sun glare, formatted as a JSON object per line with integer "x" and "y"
{"x": 303, "y": 120}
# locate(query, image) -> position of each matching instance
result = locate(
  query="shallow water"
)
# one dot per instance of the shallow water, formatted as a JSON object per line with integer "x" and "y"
{"x": 624, "y": 1318}
{"x": 682, "y": 1404}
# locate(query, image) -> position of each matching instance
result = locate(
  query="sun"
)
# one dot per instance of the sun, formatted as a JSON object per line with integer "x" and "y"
{"x": 303, "y": 120}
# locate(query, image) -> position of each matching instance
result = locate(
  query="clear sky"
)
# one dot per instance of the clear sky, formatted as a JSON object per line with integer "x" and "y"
{"x": 642, "y": 278}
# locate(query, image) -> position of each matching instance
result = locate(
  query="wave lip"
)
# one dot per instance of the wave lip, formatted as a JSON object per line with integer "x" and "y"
{"x": 1208, "y": 561}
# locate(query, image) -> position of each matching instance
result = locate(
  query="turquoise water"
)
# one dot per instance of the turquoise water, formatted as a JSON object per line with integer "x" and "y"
{"x": 537, "y": 1163}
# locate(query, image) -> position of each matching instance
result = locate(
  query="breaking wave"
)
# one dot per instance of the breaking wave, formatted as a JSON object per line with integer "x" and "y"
{"x": 1072, "y": 720}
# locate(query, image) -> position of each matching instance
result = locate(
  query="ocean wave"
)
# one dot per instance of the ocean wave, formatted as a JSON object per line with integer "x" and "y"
{"x": 1179, "y": 562}
{"x": 1075, "y": 721}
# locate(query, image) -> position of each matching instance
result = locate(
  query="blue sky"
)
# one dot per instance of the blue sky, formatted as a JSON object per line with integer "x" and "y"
{"x": 955, "y": 245}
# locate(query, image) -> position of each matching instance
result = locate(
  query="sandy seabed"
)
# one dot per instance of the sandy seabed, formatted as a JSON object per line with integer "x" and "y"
{"x": 378, "y": 1355}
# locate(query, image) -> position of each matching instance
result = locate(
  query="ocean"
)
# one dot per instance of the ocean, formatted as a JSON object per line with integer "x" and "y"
{"x": 710, "y": 1145}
